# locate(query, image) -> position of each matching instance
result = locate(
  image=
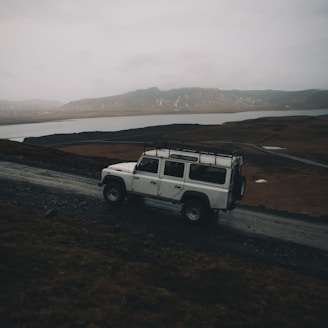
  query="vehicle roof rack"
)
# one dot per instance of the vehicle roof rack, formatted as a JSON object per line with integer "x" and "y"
{"x": 193, "y": 148}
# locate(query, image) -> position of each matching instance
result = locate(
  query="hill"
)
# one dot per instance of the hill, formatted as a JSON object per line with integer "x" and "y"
{"x": 153, "y": 101}
{"x": 72, "y": 272}
{"x": 11, "y": 111}
{"x": 28, "y": 105}
{"x": 199, "y": 100}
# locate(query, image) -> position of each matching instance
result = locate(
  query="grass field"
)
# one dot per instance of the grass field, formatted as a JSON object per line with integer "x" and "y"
{"x": 64, "y": 272}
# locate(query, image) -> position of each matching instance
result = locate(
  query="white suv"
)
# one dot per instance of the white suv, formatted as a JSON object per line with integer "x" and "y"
{"x": 200, "y": 180}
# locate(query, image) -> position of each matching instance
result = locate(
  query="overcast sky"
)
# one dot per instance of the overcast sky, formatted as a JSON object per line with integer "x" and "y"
{"x": 72, "y": 49}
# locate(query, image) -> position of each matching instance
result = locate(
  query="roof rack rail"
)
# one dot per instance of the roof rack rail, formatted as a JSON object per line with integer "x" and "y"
{"x": 193, "y": 148}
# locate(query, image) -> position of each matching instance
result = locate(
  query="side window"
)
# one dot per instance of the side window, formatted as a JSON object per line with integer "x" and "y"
{"x": 207, "y": 173}
{"x": 174, "y": 169}
{"x": 148, "y": 165}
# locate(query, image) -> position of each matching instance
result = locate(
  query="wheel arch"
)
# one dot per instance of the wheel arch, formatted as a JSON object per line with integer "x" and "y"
{"x": 113, "y": 178}
{"x": 195, "y": 195}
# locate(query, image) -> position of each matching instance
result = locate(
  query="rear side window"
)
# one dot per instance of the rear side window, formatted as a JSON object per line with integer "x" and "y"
{"x": 174, "y": 169}
{"x": 207, "y": 173}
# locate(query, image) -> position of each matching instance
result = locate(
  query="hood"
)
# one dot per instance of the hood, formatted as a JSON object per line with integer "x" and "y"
{"x": 125, "y": 167}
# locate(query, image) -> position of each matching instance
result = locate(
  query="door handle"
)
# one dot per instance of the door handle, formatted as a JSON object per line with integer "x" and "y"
{"x": 153, "y": 182}
{"x": 177, "y": 187}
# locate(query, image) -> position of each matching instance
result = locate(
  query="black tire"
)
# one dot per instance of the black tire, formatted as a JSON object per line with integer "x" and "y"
{"x": 195, "y": 211}
{"x": 239, "y": 187}
{"x": 114, "y": 193}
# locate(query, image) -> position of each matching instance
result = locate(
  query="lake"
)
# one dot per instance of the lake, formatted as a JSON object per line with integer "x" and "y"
{"x": 20, "y": 131}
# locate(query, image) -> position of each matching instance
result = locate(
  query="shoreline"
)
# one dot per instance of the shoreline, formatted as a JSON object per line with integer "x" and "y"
{"x": 76, "y": 116}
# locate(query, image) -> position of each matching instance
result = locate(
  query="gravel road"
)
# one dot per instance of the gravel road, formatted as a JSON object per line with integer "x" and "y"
{"x": 295, "y": 242}
{"x": 275, "y": 153}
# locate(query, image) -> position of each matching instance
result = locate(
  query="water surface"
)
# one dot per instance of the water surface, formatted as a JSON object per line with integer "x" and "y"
{"x": 20, "y": 131}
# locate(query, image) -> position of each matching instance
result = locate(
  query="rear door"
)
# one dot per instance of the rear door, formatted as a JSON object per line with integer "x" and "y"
{"x": 172, "y": 180}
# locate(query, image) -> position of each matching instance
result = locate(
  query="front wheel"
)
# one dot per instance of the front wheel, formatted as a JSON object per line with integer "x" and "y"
{"x": 113, "y": 193}
{"x": 194, "y": 211}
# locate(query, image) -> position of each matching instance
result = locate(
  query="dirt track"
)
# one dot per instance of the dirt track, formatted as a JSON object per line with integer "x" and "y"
{"x": 298, "y": 243}
{"x": 305, "y": 232}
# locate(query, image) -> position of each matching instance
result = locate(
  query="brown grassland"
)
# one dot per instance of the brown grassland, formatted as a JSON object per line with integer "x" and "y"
{"x": 66, "y": 272}
{"x": 69, "y": 272}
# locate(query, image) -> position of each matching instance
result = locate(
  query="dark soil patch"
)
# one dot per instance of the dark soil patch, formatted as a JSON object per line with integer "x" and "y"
{"x": 61, "y": 271}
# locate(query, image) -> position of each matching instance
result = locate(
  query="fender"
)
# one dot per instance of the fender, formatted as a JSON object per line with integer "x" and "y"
{"x": 109, "y": 178}
{"x": 195, "y": 194}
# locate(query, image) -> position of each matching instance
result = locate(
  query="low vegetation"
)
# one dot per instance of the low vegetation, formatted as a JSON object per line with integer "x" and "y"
{"x": 64, "y": 272}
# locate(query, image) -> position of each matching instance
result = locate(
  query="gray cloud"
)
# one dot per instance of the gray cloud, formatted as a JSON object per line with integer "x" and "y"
{"x": 73, "y": 49}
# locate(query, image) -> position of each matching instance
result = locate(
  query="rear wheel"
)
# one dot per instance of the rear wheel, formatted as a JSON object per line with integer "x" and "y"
{"x": 114, "y": 193}
{"x": 239, "y": 187}
{"x": 194, "y": 211}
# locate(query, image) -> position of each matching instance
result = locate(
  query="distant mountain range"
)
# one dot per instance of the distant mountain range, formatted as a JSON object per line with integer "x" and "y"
{"x": 34, "y": 104}
{"x": 155, "y": 101}
{"x": 200, "y": 100}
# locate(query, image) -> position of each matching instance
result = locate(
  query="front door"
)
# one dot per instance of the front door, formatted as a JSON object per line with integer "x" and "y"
{"x": 145, "y": 179}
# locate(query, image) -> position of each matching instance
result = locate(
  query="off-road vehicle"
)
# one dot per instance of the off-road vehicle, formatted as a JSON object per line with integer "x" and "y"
{"x": 198, "y": 179}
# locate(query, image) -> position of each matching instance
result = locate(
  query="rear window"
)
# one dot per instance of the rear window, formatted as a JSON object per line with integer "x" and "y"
{"x": 174, "y": 169}
{"x": 207, "y": 173}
